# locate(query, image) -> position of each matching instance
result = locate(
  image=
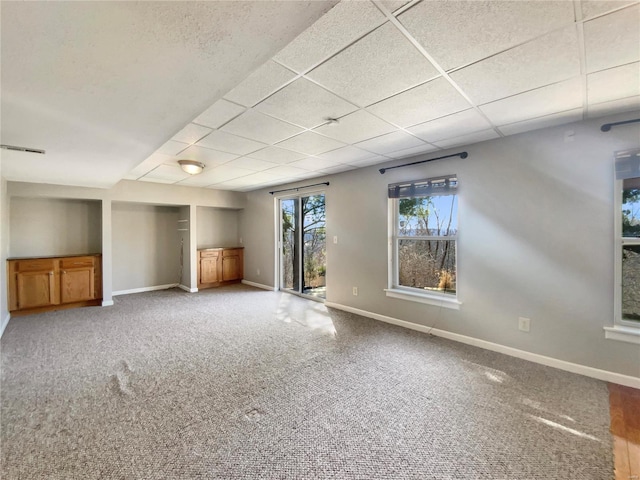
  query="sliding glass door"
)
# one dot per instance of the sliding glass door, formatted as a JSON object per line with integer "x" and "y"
{"x": 302, "y": 248}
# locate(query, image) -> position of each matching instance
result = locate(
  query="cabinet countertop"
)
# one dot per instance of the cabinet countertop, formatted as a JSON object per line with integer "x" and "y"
{"x": 56, "y": 256}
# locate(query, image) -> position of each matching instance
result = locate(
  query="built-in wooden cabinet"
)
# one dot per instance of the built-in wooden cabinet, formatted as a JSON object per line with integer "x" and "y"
{"x": 217, "y": 266}
{"x": 43, "y": 284}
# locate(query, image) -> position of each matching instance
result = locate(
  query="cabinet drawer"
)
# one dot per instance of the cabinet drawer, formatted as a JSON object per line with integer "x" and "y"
{"x": 209, "y": 253}
{"x": 76, "y": 262}
{"x": 36, "y": 265}
{"x": 231, "y": 253}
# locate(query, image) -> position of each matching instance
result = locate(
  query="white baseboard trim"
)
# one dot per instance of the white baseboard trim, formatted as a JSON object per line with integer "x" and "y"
{"x": 187, "y": 289}
{"x": 144, "y": 289}
{"x": 605, "y": 375}
{"x": 4, "y": 324}
{"x": 259, "y": 285}
{"x": 107, "y": 303}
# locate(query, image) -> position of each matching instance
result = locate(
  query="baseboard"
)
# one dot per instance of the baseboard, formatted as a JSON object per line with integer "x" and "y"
{"x": 107, "y": 303}
{"x": 259, "y": 285}
{"x": 187, "y": 289}
{"x": 605, "y": 375}
{"x": 145, "y": 289}
{"x": 4, "y": 324}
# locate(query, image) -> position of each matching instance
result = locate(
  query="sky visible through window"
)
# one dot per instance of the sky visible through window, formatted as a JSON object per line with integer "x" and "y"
{"x": 439, "y": 213}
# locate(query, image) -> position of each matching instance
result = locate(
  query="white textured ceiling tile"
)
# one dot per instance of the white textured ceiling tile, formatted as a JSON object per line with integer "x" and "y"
{"x": 314, "y": 163}
{"x": 255, "y": 125}
{"x": 614, "y": 106}
{"x": 591, "y": 8}
{"x": 468, "y": 139}
{"x": 340, "y": 26}
{"x": 252, "y": 164}
{"x": 380, "y": 65}
{"x": 356, "y": 127}
{"x": 555, "y": 98}
{"x": 549, "y": 59}
{"x": 191, "y": 133}
{"x": 171, "y": 147}
{"x": 554, "y": 120}
{"x": 171, "y": 173}
{"x": 149, "y": 179}
{"x": 287, "y": 171}
{"x": 211, "y": 158}
{"x": 219, "y": 113}
{"x": 304, "y": 103}
{"x": 225, "y": 142}
{"x": 457, "y": 33}
{"x": 149, "y": 164}
{"x": 310, "y": 143}
{"x": 420, "y": 104}
{"x": 369, "y": 161}
{"x": 277, "y": 155}
{"x": 613, "y": 83}
{"x": 393, "y": 5}
{"x": 613, "y": 39}
{"x": 409, "y": 152}
{"x": 262, "y": 178}
{"x": 461, "y": 123}
{"x": 216, "y": 175}
{"x": 348, "y": 155}
{"x": 261, "y": 83}
{"x": 339, "y": 169}
{"x": 390, "y": 142}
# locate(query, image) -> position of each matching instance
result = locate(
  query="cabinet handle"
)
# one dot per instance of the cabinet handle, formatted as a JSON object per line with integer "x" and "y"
{"x": 51, "y": 273}
{"x": 64, "y": 272}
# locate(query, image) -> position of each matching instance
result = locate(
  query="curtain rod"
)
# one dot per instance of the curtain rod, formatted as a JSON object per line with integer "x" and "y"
{"x": 298, "y": 188}
{"x": 461, "y": 155}
{"x": 607, "y": 126}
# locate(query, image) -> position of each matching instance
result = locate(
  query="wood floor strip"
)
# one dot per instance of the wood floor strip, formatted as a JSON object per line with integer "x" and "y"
{"x": 624, "y": 404}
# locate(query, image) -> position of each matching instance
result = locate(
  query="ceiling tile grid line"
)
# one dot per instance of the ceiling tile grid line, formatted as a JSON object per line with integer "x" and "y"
{"x": 608, "y": 12}
{"x": 444, "y": 74}
{"x": 582, "y": 54}
{"x": 404, "y": 8}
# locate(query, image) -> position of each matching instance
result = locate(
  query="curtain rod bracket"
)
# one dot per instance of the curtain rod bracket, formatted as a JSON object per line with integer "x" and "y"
{"x": 607, "y": 126}
{"x": 296, "y": 189}
{"x": 460, "y": 154}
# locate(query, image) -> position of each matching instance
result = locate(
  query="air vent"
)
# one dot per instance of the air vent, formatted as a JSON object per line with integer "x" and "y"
{"x": 22, "y": 149}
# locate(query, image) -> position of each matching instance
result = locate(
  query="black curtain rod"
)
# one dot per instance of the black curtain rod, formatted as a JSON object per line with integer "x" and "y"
{"x": 607, "y": 126}
{"x": 461, "y": 155}
{"x": 298, "y": 188}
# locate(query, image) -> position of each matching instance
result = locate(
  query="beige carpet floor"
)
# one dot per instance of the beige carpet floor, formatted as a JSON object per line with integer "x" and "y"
{"x": 241, "y": 383}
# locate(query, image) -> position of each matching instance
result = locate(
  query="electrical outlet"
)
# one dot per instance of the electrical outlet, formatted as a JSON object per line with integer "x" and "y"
{"x": 524, "y": 324}
{"x": 335, "y": 239}
{"x": 258, "y": 272}
{"x": 240, "y": 240}
{"x": 355, "y": 291}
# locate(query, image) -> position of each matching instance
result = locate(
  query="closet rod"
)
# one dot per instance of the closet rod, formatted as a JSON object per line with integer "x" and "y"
{"x": 607, "y": 126}
{"x": 461, "y": 155}
{"x": 298, "y": 188}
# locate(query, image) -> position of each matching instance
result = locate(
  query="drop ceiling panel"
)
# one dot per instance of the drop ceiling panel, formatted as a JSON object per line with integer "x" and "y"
{"x": 468, "y": 139}
{"x": 391, "y": 142}
{"x": 555, "y": 98}
{"x": 592, "y": 8}
{"x": 216, "y": 175}
{"x": 252, "y": 164}
{"x": 277, "y": 155}
{"x": 613, "y": 83}
{"x": 261, "y": 83}
{"x": 434, "y": 99}
{"x": 219, "y": 113}
{"x": 338, "y": 169}
{"x": 255, "y": 125}
{"x": 409, "y": 152}
{"x": 314, "y": 163}
{"x": 288, "y": 171}
{"x": 171, "y": 147}
{"x": 191, "y": 133}
{"x": 164, "y": 172}
{"x": 343, "y": 24}
{"x": 461, "y": 123}
{"x": 349, "y": 155}
{"x": 261, "y": 178}
{"x": 393, "y": 5}
{"x": 368, "y": 71}
{"x": 208, "y": 156}
{"x": 356, "y": 127}
{"x": 548, "y": 59}
{"x": 149, "y": 164}
{"x": 226, "y": 142}
{"x": 614, "y": 106}
{"x": 305, "y": 103}
{"x": 457, "y": 33}
{"x": 543, "y": 122}
{"x": 613, "y": 39}
{"x": 310, "y": 143}
{"x": 365, "y": 162}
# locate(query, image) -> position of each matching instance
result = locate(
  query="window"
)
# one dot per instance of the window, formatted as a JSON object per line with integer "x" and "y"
{"x": 627, "y": 249}
{"x": 423, "y": 231}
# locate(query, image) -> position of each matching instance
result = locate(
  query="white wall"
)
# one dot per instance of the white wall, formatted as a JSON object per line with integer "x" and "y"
{"x": 43, "y": 226}
{"x": 536, "y": 240}
{"x": 146, "y": 246}
{"x": 217, "y": 227}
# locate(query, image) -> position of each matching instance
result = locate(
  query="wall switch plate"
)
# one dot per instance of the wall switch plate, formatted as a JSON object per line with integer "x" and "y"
{"x": 524, "y": 324}
{"x": 335, "y": 239}
{"x": 258, "y": 272}
{"x": 355, "y": 291}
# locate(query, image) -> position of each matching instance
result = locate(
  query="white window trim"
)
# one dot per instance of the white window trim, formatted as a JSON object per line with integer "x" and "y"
{"x": 621, "y": 330}
{"x": 394, "y": 290}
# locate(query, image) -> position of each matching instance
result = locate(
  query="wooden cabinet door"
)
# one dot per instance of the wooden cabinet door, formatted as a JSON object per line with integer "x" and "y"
{"x": 35, "y": 289}
{"x": 231, "y": 268}
{"x": 209, "y": 270}
{"x": 77, "y": 284}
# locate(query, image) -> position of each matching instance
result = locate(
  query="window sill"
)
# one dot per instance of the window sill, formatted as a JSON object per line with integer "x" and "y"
{"x": 623, "y": 334}
{"x": 437, "y": 300}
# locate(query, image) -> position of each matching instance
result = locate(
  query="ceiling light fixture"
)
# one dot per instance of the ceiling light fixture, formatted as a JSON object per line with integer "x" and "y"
{"x": 191, "y": 166}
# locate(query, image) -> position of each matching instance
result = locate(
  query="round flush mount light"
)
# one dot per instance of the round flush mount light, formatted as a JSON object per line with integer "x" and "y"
{"x": 191, "y": 166}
